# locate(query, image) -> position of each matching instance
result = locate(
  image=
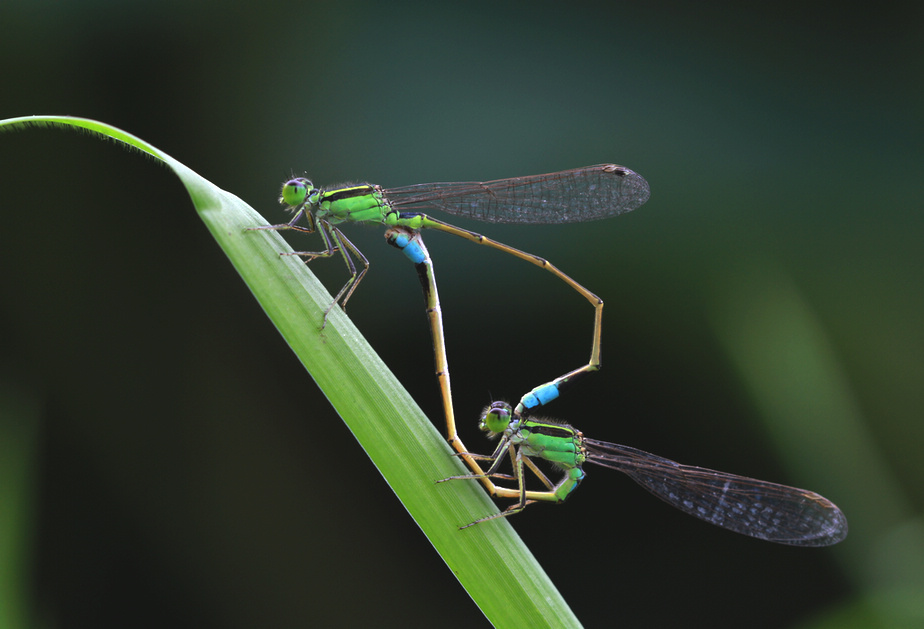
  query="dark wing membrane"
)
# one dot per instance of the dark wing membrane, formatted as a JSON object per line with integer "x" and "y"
{"x": 569, "y": 196}
{"x": 764, "y": 510}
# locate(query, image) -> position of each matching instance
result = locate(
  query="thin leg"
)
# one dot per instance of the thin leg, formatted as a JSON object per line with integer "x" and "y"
{"x": 337, "y": 241}
{"x": 344, "y": 244}
{"x": 291, "y": 224}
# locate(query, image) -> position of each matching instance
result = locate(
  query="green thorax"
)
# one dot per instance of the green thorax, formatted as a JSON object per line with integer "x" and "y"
{"x": 557, "y": 443}
{"x": 364, "y": 203}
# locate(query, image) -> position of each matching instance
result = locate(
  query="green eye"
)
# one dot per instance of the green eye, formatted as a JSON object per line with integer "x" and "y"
{"x": 294, "y": 191}
{"x": 496, "y": 417}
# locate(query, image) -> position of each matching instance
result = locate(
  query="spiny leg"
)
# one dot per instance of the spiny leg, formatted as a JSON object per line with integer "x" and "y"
{"x": 524, "y": 497}
{"x": 337, "y": 241}
{"x": 521, "y": 482}
{"x": 344, "y": 244}
{"x": 291, "y": 224}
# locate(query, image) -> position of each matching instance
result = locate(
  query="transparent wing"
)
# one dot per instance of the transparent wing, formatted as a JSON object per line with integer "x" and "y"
{"x": 568, "y": 196}
{"x": 764, "y": 510}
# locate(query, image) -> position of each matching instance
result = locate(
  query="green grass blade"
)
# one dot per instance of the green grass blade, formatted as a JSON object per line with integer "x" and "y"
{"x": 490, "y": 561}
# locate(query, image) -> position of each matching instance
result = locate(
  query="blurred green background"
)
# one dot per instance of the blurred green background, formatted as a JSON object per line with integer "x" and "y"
{"x": 164, "y": 459}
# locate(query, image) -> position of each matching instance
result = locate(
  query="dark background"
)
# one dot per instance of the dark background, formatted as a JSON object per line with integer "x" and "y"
{"x": 167, "y": 462}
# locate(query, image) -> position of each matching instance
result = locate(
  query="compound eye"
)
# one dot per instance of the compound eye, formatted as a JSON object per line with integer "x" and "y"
{"x": 295, "y": 191}
{"x": 497, "y": 417}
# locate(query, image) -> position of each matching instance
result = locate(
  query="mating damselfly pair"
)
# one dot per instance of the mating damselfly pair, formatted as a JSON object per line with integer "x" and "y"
{"x": 761, "y": 509}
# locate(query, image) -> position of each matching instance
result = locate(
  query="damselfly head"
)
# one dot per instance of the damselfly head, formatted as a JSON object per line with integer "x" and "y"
{"x": 496, "y": 417}
{"x": 294, "y": 191}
